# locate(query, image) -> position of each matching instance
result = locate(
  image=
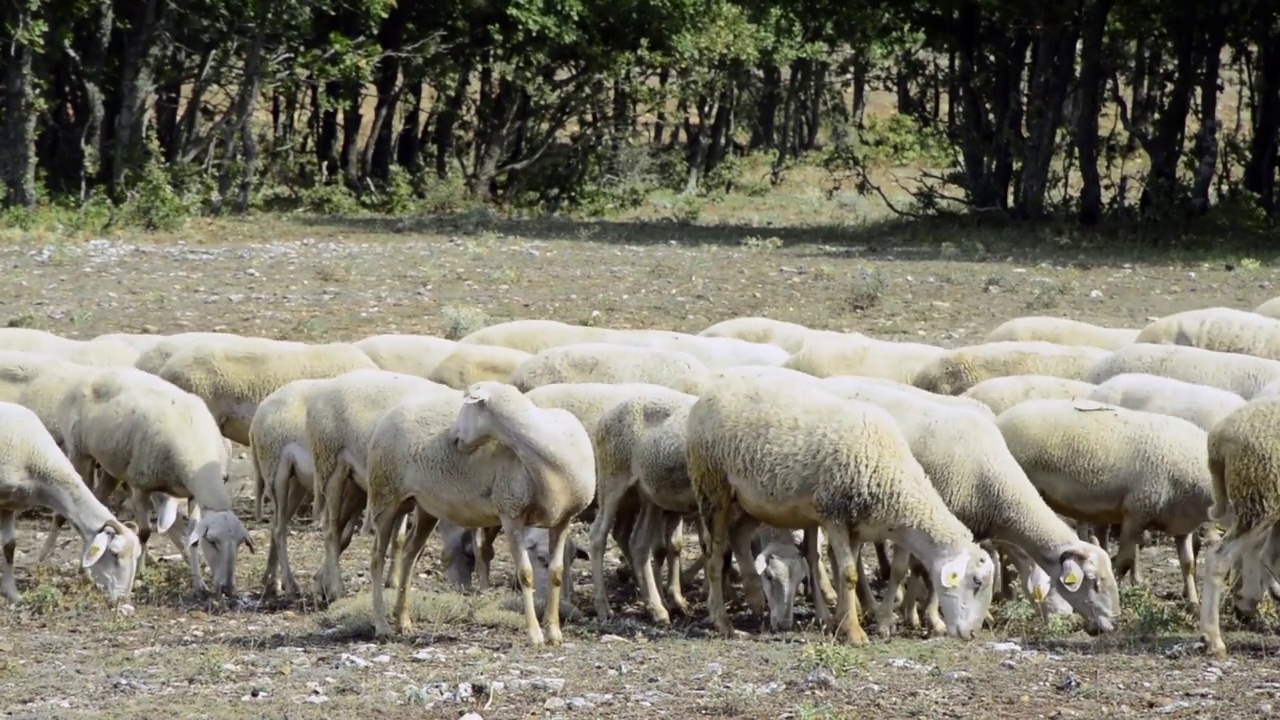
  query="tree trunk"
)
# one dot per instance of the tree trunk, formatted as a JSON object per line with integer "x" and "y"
{"x": 143, "y": 45}
{"x": 1051, "y": 71}
{"x": 1260, "y": 170}
{"x": 1164, "y": 145}
{"x": 447, "y": 118}
{"x": 1090, "y": 101}
{"x": 1215, "y": 35}
{"x": 240, "y": 126}
{"x": 764, "y": 131}
{"x": 18, "y": 146}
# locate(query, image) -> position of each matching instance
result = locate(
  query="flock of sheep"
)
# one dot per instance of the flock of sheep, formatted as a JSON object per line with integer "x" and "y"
{"x": 972, "y": 471}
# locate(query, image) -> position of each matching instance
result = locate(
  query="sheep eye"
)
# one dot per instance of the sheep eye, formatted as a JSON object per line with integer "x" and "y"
{"x": 977, "y": 581}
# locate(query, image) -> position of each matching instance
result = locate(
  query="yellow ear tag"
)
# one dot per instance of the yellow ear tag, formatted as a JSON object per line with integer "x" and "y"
{"x": 1038, "y": 593}
{"x": 954, "y": 579}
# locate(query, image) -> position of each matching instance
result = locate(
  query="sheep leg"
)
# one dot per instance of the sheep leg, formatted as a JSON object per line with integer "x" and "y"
{"x": 932, "y": 610}
{"x": 642, "y": 541}
{"x": 410, "y": 551}
{"x": 1127, "y": 554}
{"x": 9, "y": 543}
{"x": 820, "y": 584}
{"x": 910, "y": 607}
{"x": 673, "y": 539}
{"x": 882, "y": 558}
{"x": 180, "y": 533}
{"x": 557, "y": 537}
{"x": 715, "y": 518}
{"x": 1187, "y": 562}
{"x": 524, "y": 571}
{"x": 897, "y": 574}
{"x": 341, "y": 507}
{"x": 752, "y": 586}
{"x": 385, "y": 524}
{"x": 866, "y": 599}
{"x": 848, "y": 623}
{"x": 1218, "y": 562}
{"x": 287, "y": 503}
{"x": 484, "y": 555}
{"x": 606, "y": 514}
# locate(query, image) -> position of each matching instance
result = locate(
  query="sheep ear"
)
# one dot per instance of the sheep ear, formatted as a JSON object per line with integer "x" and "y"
{"x": 166, "y": 511}
{"x": 952, "y": 572}
{"x": 1072, "y": 575}
{"x": 97, "y": 548}
{"x": 761, "y": 564}
{"x": 1038, "y": 585}
{"x": 476, "y": 394}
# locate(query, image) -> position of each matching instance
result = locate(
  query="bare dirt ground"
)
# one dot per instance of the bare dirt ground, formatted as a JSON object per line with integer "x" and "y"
{"x": 63, "y": 656}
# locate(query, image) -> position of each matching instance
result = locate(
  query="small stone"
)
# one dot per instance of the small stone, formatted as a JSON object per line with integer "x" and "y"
{"x": 1095, "y": 294}
{"x": 551, "y": 685}
{"x": 382, "y": 659}
{"x": 1004, "y": 647}
{"x": 715, "y": 669}
{"x": 957, "y": 675}
{"x": 349, "y": 660}
{"x": 1008, "y": 664}
{"x": 554, "y": 703}
{"x": 609, "y": 638}
{"x": 821, "y": 677}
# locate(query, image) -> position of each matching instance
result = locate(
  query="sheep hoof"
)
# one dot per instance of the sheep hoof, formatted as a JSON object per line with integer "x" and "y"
{"x": 680, "y": 605}
{"x": 554, "y": 637}
{"x": 856, "y": 637}
{"x": 602, "y": 611}
{"x": 535, "y": 636}
{"x": 1214, "y": 648}
{"x": 660, "y": 617}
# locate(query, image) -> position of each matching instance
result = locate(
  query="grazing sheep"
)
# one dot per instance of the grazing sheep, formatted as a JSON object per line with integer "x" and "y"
{"x": 964, "y": 367}
{"x": 608, "y": 363}
{"x": 1001, "y": 393}
{"x": 283, "y": 470}
{"x": 1244, "y": 462}
{"x": 1270, "y": 308}
{"x": 489, "y": 458}
{"x": 782, "y": 567}
{"x": 233, "y": 377}
{"x": 786, "y": 335}
{"x": 804, "y": 458}
{"x": 1217, "y": 328}
{"x": 1106, "y": 464}
{"x": 958, "y": 402}
{"x": 534, "y": 336}
{"x": 982, "y": 484}
{"x": 408, "y": 354}
{"x": 1244, "y": 375}
{"x": 35, "y": 473}
{"x": 717, "y": 353}
{"x": 469, "y": 364}
{"x": 1202, "y": 405}
{"x": 458, "y": 555}
{"x": 164, "y": 444}
{"x": 1063, "y": 332}
{"x": 154, "y": 357}
{"x": 98, "y": 353}
{"x": 340, "y": 416}
{"x": 38, "y": 383}
{"x": 899, "y": 361}
{"x": 140, "y": 342}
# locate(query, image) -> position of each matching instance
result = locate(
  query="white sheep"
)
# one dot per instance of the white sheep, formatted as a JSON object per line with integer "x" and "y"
{"x": 1244, "y": 463}
{"x": 804, "y": 458}
{"x": 609, "y": 363}
{"x": 33, "y": 473}
{"x": 489, "y": 458}
{"x": 1203, "y": 405}
{"x": 982, "y": 484}
{"x": 141, "y": 342}
{"x": 1217, "y": 328}
{"x": 1270, "y": 308}
{"x": 458, "y": 554}
{"x": 899, "y": 361}
{"x": 340, "y": 416}
{"x": 469, "y": 364}
{"x": 1244, "y": 375}
{"x": 1001, "y": 393}
{"x": 1106, "y": 464}
{"x": 100, "y": 353}
{"x": 232, "y": 377}
{"x": 534, "y": 336}
{"x": 164, "y": 444}
{"x": 953, "y": 401}
{"x": 787, "y": 335}
{"x": 1063, "y": 332}
{"x": 714, "y": 352}
{"x": 408, "y": 354}
{"x": 154, "y": 357}
{"x": 962, "y": 368}
{"x": 283, "y": 470}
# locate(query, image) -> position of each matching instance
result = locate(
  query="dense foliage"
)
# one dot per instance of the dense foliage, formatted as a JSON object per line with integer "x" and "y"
{"x": 1086, "y": 109}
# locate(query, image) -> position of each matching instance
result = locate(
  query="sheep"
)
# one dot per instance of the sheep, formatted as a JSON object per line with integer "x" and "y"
{"x": 140, "y": 342}
{"x": 1217, "y": 328}
{"x": 39, "y": 382}
{"x": 1244, "y": 463}
{"x": 458, "y": 555}
{"x": 982, "y": 484}
{"x": 1202, "y": 405}
{"x": 962, "y": 368}
{"x": 786, "y": 335}
{"x": 469, "y": 364}
{"x": 898, "y": 361}
{"x": 802, "y": 457}
{"x": 1063, "y": 332}
{"x": 340, "y": 417}
{"x": 154, "y": 357}
{"x": 604, "y": 362}
{"x": 534, "y": 336}
{"x": 233, "y": 377}
{"x": 99, "y": 353}
{"x": 163, "y": 443}
{"x": 954, "y": 401}
{"x": 408, "y": 354}
{"x": 34, "y": 472}
{"x": 490, "y": 457}
{"x": 283, "y": 470}
{"x": 1001, "y": 393}
{"x": 716, "y": 353}
{"x": 1244, "y": 375}
{"x": 1270, "y": 308}
{"x": 782, "y": 567}
{"x": 1106, "y": 464}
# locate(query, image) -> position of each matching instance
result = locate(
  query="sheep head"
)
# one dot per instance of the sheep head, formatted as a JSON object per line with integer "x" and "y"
{"x": 111, "y": 558}
{"x": 219, "y": 534}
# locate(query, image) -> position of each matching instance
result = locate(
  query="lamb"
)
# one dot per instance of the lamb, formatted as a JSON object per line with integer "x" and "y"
{"x": 1218, "y": 328}
{"x": 1001, "y": 393}
{"x": 898, "y": 361}
{"x": 233, "y": 377}
{"x": 469, "y": 364}
{"x": 491, "y": 457}
{"x": 283, "y": 470}
{"x": 340, "y": 417}
{"x": 964, "y": 367}
{"x": 34, "y": 472}
{"x": 604, "y": 362}
{"x": 1244, "y": 462}
{"x": 801, "y": 457}
{"x": 1202, "y": 405}
{"x": 786, "y": 335}
{"x": 163, "y": 443}
{"x": 408, "y": 354}
{"x": 982, "y": 484}
{"x": 1106, "y": 464}
{"x": 1063, "y": 332}
{"x": 1244, "y": 375}
{"x": 99, "y": 353}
